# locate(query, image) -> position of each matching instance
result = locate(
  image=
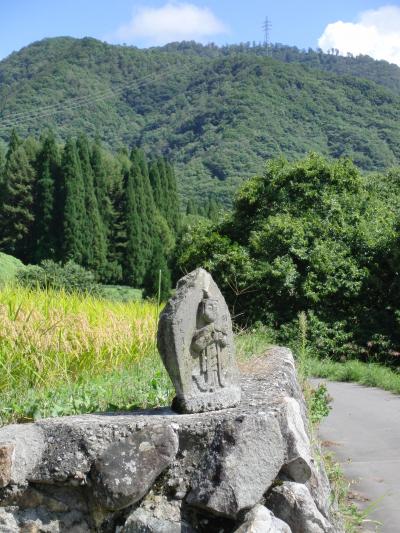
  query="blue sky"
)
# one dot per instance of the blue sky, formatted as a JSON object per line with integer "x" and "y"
{"x": 222, "y": 21}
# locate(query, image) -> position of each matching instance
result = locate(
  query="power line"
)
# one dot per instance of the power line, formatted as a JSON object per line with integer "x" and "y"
{"x": 17, "y": 119}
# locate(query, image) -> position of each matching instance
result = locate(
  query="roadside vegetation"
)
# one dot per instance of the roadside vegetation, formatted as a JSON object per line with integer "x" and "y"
{"x": 312, "y": 237}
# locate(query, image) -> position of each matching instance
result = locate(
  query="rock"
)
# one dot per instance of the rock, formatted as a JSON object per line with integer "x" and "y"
{"x": 24, "y": 449}
{"x": 244, "y": 459}
{"x": 8, "y": 523}
{"x": 261, "y": 520}
{"x": 195, "y": 341}
{"x": 293, "y": 503}
{"x": 318, "y": 484}
{"x": 126, "y": 470}
{"x": 41, "y": 521}
{"x": 298, "y": 463}
{"x": 163, "y": 518}
{"x": 7, "y": 451}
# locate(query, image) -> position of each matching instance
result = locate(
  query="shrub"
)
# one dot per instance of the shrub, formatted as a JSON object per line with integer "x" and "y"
{"x": 50, "y": 275}
{"x": 9, "y": 266}
{"x": 313, "y": 236}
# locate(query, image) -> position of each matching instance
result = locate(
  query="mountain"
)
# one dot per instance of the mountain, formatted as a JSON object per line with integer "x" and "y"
{"x": 217, "y": 113}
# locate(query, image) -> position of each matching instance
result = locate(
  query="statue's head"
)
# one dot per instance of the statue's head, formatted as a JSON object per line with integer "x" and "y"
{"x": 209, "y": 308}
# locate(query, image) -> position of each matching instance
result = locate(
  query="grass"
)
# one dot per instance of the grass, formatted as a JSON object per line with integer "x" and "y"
{"x": 71, "y": 353}
{"x": 120, "y": 293}
{"x": 9, "y": 266}
{"x": 370, "y": 374}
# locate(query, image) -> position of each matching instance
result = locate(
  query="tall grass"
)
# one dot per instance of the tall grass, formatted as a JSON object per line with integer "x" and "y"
{"x": 73, "y": 345}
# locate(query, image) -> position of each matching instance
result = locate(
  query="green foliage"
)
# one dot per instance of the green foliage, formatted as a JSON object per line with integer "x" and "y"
{"x": 95, "y": 251}
{"x": 319, "y": 404}
{"x": 80, "y": 203}
{"x": 74, "y": 231}
{"x": 9, "y": 267}
{"x": 369, "y": 374}
{"x": 120, "y": 293}
{"x": 313, "y": 237}
{"x": 16, "y": 216}
{"x": 157, "y": 282}
{"x": 218, "y": 113}
{"x": 50, "y": 275}
{"x": 44, "y": 232}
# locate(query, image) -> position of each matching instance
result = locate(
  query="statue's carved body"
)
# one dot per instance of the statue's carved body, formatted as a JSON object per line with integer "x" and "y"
{"x": 209, "y": 345}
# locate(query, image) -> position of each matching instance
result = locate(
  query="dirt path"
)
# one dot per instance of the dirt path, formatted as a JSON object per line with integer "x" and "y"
{"x": 363, "y": 430}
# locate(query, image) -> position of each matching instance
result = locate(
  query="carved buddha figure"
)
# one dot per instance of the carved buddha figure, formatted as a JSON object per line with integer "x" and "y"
{"x": 208, "y": 345}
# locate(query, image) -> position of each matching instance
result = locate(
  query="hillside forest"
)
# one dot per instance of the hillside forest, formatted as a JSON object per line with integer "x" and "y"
{"x": 217, "y": 113}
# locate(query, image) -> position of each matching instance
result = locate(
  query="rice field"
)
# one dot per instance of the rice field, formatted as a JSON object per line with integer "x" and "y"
{"x": 63, "y": 353}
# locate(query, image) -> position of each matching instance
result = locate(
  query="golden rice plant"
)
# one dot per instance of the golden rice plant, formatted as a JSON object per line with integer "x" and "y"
{"x": 50, "y": 336}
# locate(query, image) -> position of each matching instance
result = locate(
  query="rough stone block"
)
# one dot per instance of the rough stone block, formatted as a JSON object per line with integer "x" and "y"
{"x": 293, "y": 503}
{"x": 244, "y": 458}
{"x": 298, "y": 465}
{"x": 261, "y": 520}
{"x": 126, "y": 470}
{"x": 161, "y": 517}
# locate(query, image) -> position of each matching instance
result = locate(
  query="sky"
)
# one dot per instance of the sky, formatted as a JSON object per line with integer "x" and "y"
{"x": 357, "y": 26}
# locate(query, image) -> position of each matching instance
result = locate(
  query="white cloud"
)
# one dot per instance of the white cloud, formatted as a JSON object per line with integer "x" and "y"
{"x": 175, "y": 21}
{"x": 376, "y": 33}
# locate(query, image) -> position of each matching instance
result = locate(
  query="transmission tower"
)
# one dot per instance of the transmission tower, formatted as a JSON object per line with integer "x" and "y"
{"x": 267, "y": 27}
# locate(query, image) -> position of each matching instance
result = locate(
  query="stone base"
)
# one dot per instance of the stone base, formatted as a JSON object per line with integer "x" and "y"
{"x": 87, "y": 473}
{"x": 208, "y": 401}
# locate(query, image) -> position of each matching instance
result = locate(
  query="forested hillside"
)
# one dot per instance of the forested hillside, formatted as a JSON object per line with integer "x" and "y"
{"x": 217, "y": 113}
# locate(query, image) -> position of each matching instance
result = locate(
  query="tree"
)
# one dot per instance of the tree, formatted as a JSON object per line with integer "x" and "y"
{"x": 156, "y": 185}
{"x": 174, "y": 213}
{"x": 101, "y": 184}
{"x": 212, "y": 209}
{"x": 147, "y": 209}
{"x": 16, "y": 215}
{"x": 46, "y": 229}
{"x": 134, "y": 266}
{"x": 73, "y": 195}
{"x": 307, "y": 236}
{"x": 94, "y": 233}
{"x": 152, "y": 282}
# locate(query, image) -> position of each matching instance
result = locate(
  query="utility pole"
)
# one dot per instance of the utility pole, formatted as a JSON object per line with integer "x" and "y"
{"x": 267, "y": 26}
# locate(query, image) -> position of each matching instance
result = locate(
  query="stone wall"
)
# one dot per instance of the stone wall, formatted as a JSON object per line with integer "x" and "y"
{"x": 248, "y": 468}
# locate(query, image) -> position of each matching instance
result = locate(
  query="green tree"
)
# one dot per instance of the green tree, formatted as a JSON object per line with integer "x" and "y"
{"x": 46, "y": 229}
{"x": 152, "y": 282}
{"x": 134, "y": 265}
{"x": 101, "y": 184}
{"x": 305, "y": 236}
{"x": 173, "y": 215}
{"x": 16, "y": 214}
{"x": 156, "y": 185}
{"x": 94, "y": 232}
{"x": 74, "y": 227}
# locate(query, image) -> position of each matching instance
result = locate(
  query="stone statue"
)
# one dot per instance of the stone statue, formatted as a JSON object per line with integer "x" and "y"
{"x": 209, "y": 343}
{"x": 195, "y": 341}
